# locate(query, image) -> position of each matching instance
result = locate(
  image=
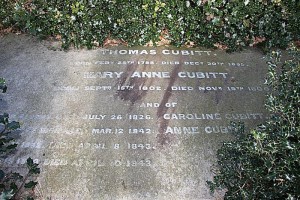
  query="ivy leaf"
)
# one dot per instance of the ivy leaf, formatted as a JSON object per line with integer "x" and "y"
{"x": 30, "y": 184}
{"x": 2, "y": 81}
{"x": 216, "y": 20}
{"x": 13, "y": 186}
{"x": 3, "y": 87}
{"x": 13, "y": 125}
{"x": 6, "y": 195}
{"x": 16, "y": 176}
{"x": 33, "y": 167}
{"x": 2, "y": 174}
{"x": 4, "y": 118}
{"x": 246, "y": 23}
{"x": 11, "y": 146}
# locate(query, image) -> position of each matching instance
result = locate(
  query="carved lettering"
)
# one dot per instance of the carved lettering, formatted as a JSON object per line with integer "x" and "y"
{"x": 182, "y": 130}
{"x": 150, "y": 75}
{"x": 202, "y": 75}
{"x": 192, "y": 116}
{"x": 94, "y": 75}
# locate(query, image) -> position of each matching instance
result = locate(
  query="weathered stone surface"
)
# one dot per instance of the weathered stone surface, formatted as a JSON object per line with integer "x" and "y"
{"x": 119, "y": 123}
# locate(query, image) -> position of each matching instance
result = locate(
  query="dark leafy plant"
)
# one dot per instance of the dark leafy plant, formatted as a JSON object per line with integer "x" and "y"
{"x": 3, "y": 87}
{"x": 6, "y": 141}
{"x": 265, "y": 163}
{"x": 12, "y": 184}
{"x": 232, "y": 24}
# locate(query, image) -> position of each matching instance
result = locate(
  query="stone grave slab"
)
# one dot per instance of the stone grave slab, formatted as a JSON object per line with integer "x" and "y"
{"x": 127, "y": 123}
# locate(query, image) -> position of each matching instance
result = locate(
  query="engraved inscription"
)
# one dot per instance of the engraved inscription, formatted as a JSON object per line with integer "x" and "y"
{"x": 131, "y": 123}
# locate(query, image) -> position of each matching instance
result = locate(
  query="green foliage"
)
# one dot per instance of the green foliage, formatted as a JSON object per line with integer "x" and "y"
{"x": 6, "y": 12}
{"x": 6, "y": 127}
{"x": 6, "y": 195}
{"x": 32, "y": 167}
{"x": 3, "y": 87}
{"x": 13, "y": 185}
{"x": 265, "y": 163}
{"x": 206, "y": 23}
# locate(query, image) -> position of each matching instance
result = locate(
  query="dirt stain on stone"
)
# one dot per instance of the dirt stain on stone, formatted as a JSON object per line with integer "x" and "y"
{"x": 162, "y": 137}
{"x": 129, "y": 94}
{"x": 134, "y": 94}
{"x": 218, "y": 96}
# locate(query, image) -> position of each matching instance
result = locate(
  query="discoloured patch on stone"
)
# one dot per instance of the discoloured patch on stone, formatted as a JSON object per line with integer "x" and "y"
{"x": 132, "y": 95}
{"x": 162, "y": 137}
